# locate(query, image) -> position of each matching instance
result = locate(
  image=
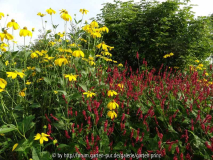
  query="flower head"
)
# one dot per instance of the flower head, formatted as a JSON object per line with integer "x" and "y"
{"x": 112, "y": 114}
{"x": 13, "y": 24}
{"x": 59, "y": 61}
{"x": 40, "y": 14}
{"x": 5, "y": 35}
{"x": 1, "y": 15}
{"x": 89, "y": 94}
{"x": 71, "y": 77}
{"x": 112, "y": 105}
{"x": 83, "y": 11}
{"x": 65, "y": 16}
{"x": 13, "y": 75}
{"x": 42, "y": 137}
{"x": 111, "y": 93}
{"x": 24, "y": 32}
{"x": 78, "y": 53}
{"x": 3, "y": 83}
{"x": 50, "y": 11}
{"x": 14, "y": 147}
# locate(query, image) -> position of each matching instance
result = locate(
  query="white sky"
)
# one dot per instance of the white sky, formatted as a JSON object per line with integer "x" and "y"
{"x": 25, "y": 12}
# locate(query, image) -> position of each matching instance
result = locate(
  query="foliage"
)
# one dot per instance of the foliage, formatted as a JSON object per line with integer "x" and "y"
{"x": 155, "y": 29}
{"x": 70, "y": 98}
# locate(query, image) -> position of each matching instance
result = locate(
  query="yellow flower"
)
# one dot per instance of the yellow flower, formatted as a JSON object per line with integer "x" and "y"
{"x": 42, "y": 137}
{"x": 13, "y": 24}
{"x": 6, "y": 63}
{"x": 71, "y": 77}
{"x": 22, "y": 94}
{"x": 91, "y": 63}
{"x": 171, "y": 54}
{"x": 34, "y": 55}
{"x": 14, "y": 74}
{"x": 1, "y": 15}
{"x": 5, "y": 35}
{"x": 33, "y": 29}
{"x": 65, "y": 16}
{"x": 33, "y": 74}
{"x": 120, "y": 65}
{"x": 89, "y": 94}
{"x": 84, "y": 11}
{"x": 3, "y": 83}
{"x": 111, "y": 93}
{"x": 78, "y": 53}
{"x": 2, "y": 134}
{"x": 121, "y": 86}
{"x": 40, "y": 14}
{"x": 200, "y": 65}
{"x": 14, "y": 147}
{"x": 28, "y": 83}
{"x": 1, "y": 90}
{"x": 105, "y": 29}
{"x": 206, "y": 74}
{"x": 197, "y": 61}
{"x": 112, "y": 114}
{"x": 112, "y": 105}
{"x": 103, "y": 45}
{"x": 59, "y": 61}
{"x": 94, "y": 24}
{"x": 55, "y": 141}
{"x": 55, "y": 92}
{"x": 50, "y": 11}
{"x": 24, "y": 32}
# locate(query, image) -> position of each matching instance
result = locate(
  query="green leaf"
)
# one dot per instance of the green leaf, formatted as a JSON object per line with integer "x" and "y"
{"x": 26, "y": 124}
{"x": 27, "y": 54}
{"x": 34, "y": 154}
{"x": 47, "y": 80}
{"x": 14, "y": 54}
{"x": 171, "y": 129}
{"x": 38, "y": 70}
{"x": 119, "y": 146}
{"x": 7, "y": 128}
{"x": 76, "y": 96}
{"x": 83, "y": 87}
{"x": 35, "y": 105}
{"x": 63, "y": 145}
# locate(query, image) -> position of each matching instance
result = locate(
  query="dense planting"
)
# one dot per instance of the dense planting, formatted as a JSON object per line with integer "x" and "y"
{"x": 71, "y": 97}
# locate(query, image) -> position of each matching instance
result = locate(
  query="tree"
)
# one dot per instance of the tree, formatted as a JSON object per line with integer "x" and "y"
{"x": 155, "y": 29}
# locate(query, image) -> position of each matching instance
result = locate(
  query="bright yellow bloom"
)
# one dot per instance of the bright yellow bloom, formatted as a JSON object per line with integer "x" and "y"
{"x": 121, "y": 86}
{"x": 40, "y": 14}
{"x": 105, "y": 29}
{"x": 1, "y": 15}
{"x": 14, "y": 74}
{"x": 13, "y": 24}
{"x": 89, "y": 94}
{"x": 55, "y": 92}
{"x": 78, "y": 53}
{"x": 112, "y": 105}
{"x": 83, "y": 11}
{"x": 65, "y": 16}
{"x": 28, "y": 83}
{"x": 24, "y": 32}
{"x": 34, "y": 55}
{"x": 206, "y": 74}
{"x": 103, "y": 45}
{"x": 3, "y": 83}
{"x": 50, "y": 11}
{"x": 5, "y": 35}
{"x": 171, "y": 54}
{"x": 6, "y": 63}
{"x": 71, "y": 77}
{"x": 59, "y": 61}
{"x": 112, "y": 114}
{"x": 111, "y": 93}
{"x": 94, "y": 24}
{"x": 55, "y": 141}
{"x": 91, "y": 63}
{"x": 14, "y": 147}
{"x": 1, "y": 90}
{"x": 120, "y": 65}
{"x": 200, "y": 65}
{"x": 197, "y": 61}
{"x": 22, "y": 94}
{"x": 42, "y": 137}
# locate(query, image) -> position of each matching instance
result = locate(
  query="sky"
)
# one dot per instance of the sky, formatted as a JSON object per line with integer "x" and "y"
{"x": 24, "y": 12}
